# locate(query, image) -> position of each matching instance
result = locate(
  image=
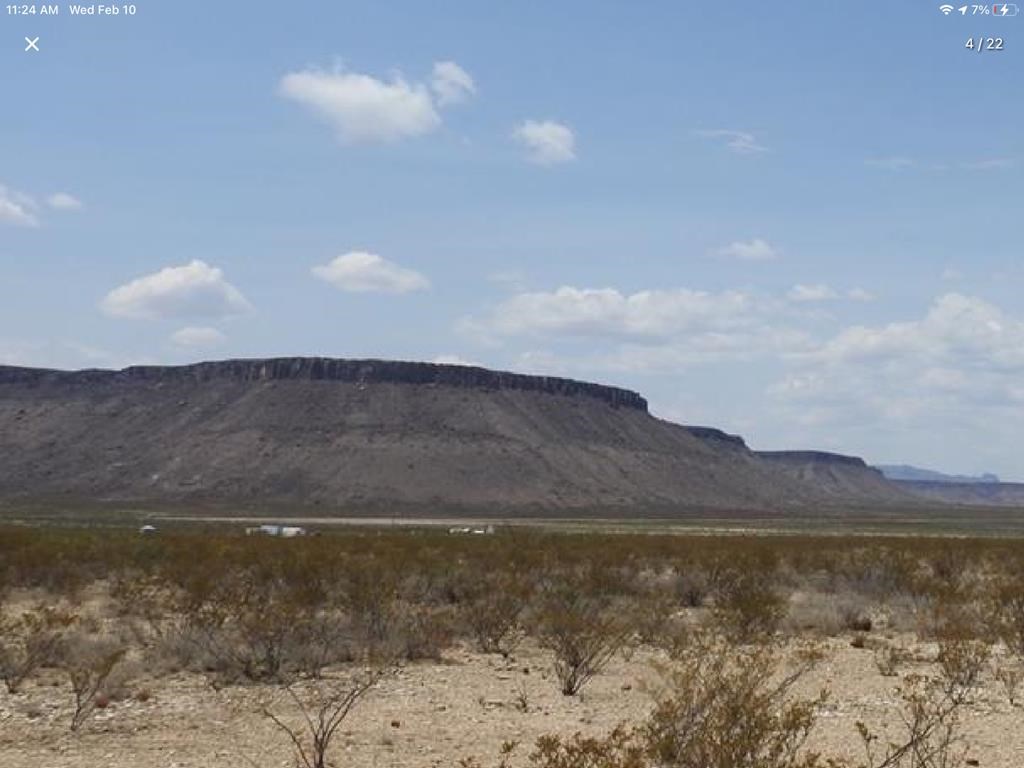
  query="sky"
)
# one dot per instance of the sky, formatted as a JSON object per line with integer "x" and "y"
{"x": 799, "y": 222}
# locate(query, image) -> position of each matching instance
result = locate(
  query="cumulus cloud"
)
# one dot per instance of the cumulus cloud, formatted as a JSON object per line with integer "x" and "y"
{"x": 62, "y": 201}
{"x": 737, "y": 142}
{"x": 17, "y": 208}
{"x": 193, "y": 290}
{"x": 608, "y": 312}
{"x": 750, "y": 250}
{"x": 362, "y": 272}
{"x": 957, "y": 329}
{"x": 957, "y": 370}
{"x": 547, "y": 142}
{"x": 198, "y": 337}
{"x": 451, "y": 83}
{"x": 811, "y": 293}
{"x": 364, "y": 109}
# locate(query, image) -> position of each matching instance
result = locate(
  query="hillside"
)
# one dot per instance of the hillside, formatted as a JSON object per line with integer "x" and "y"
{"x": 369, "y": 435}
{"x": 990, "y": 494}
{"x": 838, "y": 476}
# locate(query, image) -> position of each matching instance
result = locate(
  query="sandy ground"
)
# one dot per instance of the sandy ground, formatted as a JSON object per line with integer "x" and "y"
{"x": 433, "y": 714}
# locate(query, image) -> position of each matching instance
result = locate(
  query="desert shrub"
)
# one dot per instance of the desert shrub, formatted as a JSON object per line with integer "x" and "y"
{"x": 31, "y": 641}
{"x": 419, "y": 633}
{"x": 492, "y": 606}
{"x": 931, "y": 730}
{"x": 721, "y": 706}
{"x": 581, "y": 630}
{"x": 322, "y": 638}
{"x": 810, "y": 613}
{"x": 255, "y": 625}
{"x": 242, "y": 641}
{"x": 1006, "y": 613}
{"x": 369, "y": 594}
{"x": 890, "y": 659}
{"x": 322, "y": 708}
{"x": 879, "y": 572}
{"x": 963, "y": 655}
{"x": 727, "y": 707}
{"x": 691, "y": 586}
{"x": 137, "y": 595}
{"x": 854, "y": 615}
{"x": 89, "y": 664}
{"x": 950, "y": 565}
{"x": 619, "y": 749}
{"x": 651, "y": 614}
{"x": 748, "y": 607}
{"x": 962, "y": 660}
{"x": 1009, "y": 675}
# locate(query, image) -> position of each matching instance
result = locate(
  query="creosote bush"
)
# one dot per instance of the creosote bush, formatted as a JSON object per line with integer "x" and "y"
{"x": 577, "y": 623}
{"x": 322, "y": 709}
{"x": 719, "y": 706}
{"x": 89, "y": 664}
{"x": 33, "y": 640}
{"x": 748, "y": 606}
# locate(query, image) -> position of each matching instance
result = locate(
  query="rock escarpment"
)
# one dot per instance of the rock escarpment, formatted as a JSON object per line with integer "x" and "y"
{"x": 331, "y": 369}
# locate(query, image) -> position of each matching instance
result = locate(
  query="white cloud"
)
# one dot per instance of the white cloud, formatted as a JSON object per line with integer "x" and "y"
{"x": 193, "y": 290}
{"x": 547, "y": 142}
{"x": 62, "y": 201}
{"x": 859, "y": 294}
{"x": 364, "y": 109}
{"x": 957, "y": 329}
{"x": 198, "y": 337}
{"x": 752, "y": 250}
{"x": 17, "y": 208}
{"x": 607, "y": 312}
{"x": 738, "y": 142}
{"x": 811, "y": 293}
{"x": 451, "y": 83}
{"x": 956, "y": 370}
{"x": 990, "y": 164}
{"x": 361, "y": 272}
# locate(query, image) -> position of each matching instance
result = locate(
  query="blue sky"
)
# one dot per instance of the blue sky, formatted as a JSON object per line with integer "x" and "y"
{"x": 796, "y": 221}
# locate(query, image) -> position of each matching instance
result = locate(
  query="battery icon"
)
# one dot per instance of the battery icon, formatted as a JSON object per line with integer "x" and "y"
{"x": 1004, "y": 9}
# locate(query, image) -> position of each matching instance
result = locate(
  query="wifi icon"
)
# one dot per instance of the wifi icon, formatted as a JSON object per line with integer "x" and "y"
{"x": 946, "y": 9}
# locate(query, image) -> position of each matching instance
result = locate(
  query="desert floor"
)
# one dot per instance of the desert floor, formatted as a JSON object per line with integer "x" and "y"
{"x": 433, "y": 714}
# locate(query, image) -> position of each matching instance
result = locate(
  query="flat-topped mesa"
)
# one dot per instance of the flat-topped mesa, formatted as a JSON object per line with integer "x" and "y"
{"x": 718, "y": 436}
{"x": 332, "y": 369}
{"x": 814, "y": 457}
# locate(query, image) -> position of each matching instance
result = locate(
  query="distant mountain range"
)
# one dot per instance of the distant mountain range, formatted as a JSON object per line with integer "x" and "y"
{"x": 906, "y": 472}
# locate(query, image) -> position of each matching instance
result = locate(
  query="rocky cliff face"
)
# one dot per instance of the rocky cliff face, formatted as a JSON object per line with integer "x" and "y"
{"x": 717, "y": 436}
{"x": 816, "y": 457}
{"x": 331, "y": 369}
